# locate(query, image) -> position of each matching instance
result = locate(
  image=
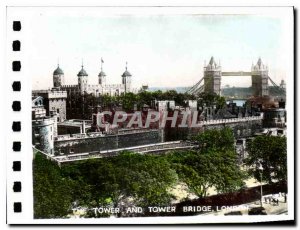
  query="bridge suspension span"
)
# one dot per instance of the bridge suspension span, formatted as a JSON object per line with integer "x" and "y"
{"x": 277, "y": 88}
{"x": 197, "y": 88}
{"x": 213, "y": 74}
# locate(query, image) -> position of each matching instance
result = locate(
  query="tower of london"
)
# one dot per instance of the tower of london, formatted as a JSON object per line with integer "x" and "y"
{"x": 101, "y": 88}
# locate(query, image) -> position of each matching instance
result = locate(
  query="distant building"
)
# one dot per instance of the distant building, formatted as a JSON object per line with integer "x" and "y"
{"x": 212, "y": 77}
{"x": 260, "y": 77}
{"x": 274, "y": 118}
{"x": 101, "y": 88}
{"x": 54, "y": 100}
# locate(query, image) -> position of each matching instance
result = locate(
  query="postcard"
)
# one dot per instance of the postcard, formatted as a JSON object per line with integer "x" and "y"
{"x": 150, "y": 115}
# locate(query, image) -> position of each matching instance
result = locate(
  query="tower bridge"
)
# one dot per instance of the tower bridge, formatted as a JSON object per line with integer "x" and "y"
{"x": 238, "y": 73}
{"x": 213, "y": 74}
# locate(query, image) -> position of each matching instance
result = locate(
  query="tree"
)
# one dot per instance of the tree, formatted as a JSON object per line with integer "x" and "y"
{"x": 107, "y": 100}
{"x": 222, "y": 139}
{"x": 143, "y": 178}
{"x": 146, "y": 178}
{"x": 228, "y": 175}
{"x": 269, "y": 152}
{"x": 170, "y": 95}
{"x": 214, "y": 164}
{"x": 158, "y": 95}
{"x": 220, "y": 102}
{"x": 211, "y": 99}
{"x": 194, "y": 170}
{"x": 144, "y": 97}
{"x": 201, "y": 171}
{"x": 52, "y": 194}
{"x": 128, "y": 100}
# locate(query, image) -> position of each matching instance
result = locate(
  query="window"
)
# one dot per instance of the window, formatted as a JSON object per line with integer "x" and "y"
{"x": 71, "y": 150}
{"x": 280, "y": 131}
{"x": 58, "y": 119}
{"x": 57, "y": 110}
{"x": 239, "y": 142}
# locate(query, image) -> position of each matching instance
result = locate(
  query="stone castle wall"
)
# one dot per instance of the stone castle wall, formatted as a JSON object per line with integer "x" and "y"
{"x": 240, "y": 129}
{"x": 89, "y": 144}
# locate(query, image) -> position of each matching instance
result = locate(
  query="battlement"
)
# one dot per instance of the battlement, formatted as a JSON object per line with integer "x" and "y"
{"x": 51, "y": 93}
{"x": 57, "y": 94}
{"x": 70, "y": 86}
{"x": 114, "y": 85}
{"x": 233, "y": 120}
{"x": 42, "y": 91}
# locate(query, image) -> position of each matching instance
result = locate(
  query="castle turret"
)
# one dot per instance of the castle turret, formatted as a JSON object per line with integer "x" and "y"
{"x": 102, "y": 75}
{"x": 42, "y": 135}
{"x": 259, "y": 75}
{"x": 212, "y": 77}
{"x": 126, "y": 80}
{"x": 58, "y": 77}
{"x": 82, "y": 80}
{"x": 54, "y": 116}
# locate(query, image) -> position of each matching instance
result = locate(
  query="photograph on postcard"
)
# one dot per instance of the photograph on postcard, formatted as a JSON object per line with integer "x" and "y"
{"x": 151, "y": 112}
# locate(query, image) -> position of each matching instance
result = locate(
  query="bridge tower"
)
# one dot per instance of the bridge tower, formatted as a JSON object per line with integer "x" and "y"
{"x": 212, "y": 77}
{"x": 260, "y": 77}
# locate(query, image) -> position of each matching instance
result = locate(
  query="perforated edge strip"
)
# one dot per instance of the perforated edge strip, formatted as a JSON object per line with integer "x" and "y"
{"x": 16, "y": 187}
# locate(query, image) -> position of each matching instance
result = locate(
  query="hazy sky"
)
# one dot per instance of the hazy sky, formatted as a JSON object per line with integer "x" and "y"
{"x": 161, "y": 50}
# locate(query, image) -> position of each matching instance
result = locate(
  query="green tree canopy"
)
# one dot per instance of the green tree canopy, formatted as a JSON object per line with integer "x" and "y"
{"x": 52, "y": 193}
{"x": 201, "y": 171}
{"x": 144, "y": 178}
{"x": 214, "y": 164}
{"x": 269, "y": 152}
{"x": 211, "y": 99}
{"x": 220, "y": 139}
